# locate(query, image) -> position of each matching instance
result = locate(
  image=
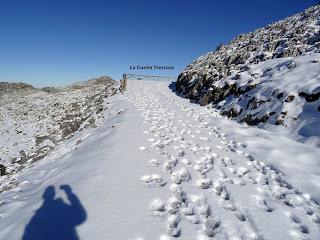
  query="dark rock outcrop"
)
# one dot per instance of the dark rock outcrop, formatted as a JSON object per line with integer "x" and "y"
{"x": 3, "y": 170}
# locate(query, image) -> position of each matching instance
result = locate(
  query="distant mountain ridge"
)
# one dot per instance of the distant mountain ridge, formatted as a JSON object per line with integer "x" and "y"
{"x": 266, "y": 77}
{"x": 95, "y": 81}
{"x": 9, "y": 87}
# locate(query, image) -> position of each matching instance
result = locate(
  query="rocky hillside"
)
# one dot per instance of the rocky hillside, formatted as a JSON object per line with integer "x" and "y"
{"x": 33, "y": 121}
{"x": 6, "y": 87}
{"x": 267, "y": 77}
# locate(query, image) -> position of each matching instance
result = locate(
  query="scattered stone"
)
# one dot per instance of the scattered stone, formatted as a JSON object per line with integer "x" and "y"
{"x": 289, "y": 98}
{"x": 312, "y": 97}
{"x": 3, "y": 170}
{"x": 78, "y": 142}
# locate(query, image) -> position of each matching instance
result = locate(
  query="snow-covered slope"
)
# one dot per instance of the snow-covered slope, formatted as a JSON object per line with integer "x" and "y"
{"x": 268, "y": 77}
{"x": 160, "y": 167}
{"x": 34, "y": 121}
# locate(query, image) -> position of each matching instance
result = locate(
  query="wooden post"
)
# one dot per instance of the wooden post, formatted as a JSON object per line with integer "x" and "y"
{"x": 125, "y": 83}
{"x": 121, "y": 86}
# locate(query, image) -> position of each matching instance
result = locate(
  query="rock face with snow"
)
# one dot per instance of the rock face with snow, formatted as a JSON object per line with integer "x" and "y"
{"x": 267, "y": 77}
{"x": 33, "y": 121}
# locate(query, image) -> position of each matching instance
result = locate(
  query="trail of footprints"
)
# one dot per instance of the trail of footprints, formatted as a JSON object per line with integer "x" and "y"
{"x": 189, "y": 156}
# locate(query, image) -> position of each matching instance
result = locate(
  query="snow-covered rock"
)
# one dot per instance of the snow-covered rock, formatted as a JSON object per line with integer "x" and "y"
{"x": 269, "y": 77}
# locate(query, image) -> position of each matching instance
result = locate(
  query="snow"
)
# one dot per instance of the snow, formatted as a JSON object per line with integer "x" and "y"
{"x": 288, "y": 76}
{"x": 160, "y": 167}
{"x": 33, "y": 122}
{"x": 269, "y": 78}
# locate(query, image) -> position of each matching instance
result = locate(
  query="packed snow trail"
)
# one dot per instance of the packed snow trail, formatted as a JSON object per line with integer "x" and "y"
{"x": 217, "y": 189}
{"x": 158, "y": 169}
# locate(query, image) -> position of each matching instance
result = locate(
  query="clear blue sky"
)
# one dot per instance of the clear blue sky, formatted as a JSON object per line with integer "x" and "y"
{"x": 59, "y": 41}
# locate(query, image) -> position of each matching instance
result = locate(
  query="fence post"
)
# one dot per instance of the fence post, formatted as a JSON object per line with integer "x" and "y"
{"x": 121, "y": 86}
{"x": 125, "y": 83}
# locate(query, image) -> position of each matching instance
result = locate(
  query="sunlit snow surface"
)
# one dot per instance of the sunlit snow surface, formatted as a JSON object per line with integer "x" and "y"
{"x": 160, "y": 167}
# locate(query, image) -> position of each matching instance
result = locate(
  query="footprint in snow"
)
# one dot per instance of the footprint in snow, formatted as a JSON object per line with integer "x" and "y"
{"x": 143, "y": 148}
{"x": 153, "y": 162}
{"x": 241, "y": 171}
{"x": 298, "y": 225}
{"x": 186, "y": 161}
{"x": 210, "y": 226}
{"x": 157, "y": 207}
{"x": 204, "y": 183}
{"x": 180, "y": 176}
{"x": 153, "y": 180}
{"x": 263, "y": 203}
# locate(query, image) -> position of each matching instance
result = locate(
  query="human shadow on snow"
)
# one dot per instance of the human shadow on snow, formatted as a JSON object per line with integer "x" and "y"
{"x": 56, "y": 219}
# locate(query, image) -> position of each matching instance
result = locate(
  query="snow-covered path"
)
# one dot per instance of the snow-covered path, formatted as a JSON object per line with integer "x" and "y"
{"x": 159, "y": 169}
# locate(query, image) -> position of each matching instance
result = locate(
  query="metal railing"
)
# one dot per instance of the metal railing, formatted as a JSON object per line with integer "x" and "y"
{"x": 130, "y": 76}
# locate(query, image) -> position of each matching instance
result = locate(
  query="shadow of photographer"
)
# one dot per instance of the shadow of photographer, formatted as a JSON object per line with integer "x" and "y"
{"x": 56, "y": 219}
